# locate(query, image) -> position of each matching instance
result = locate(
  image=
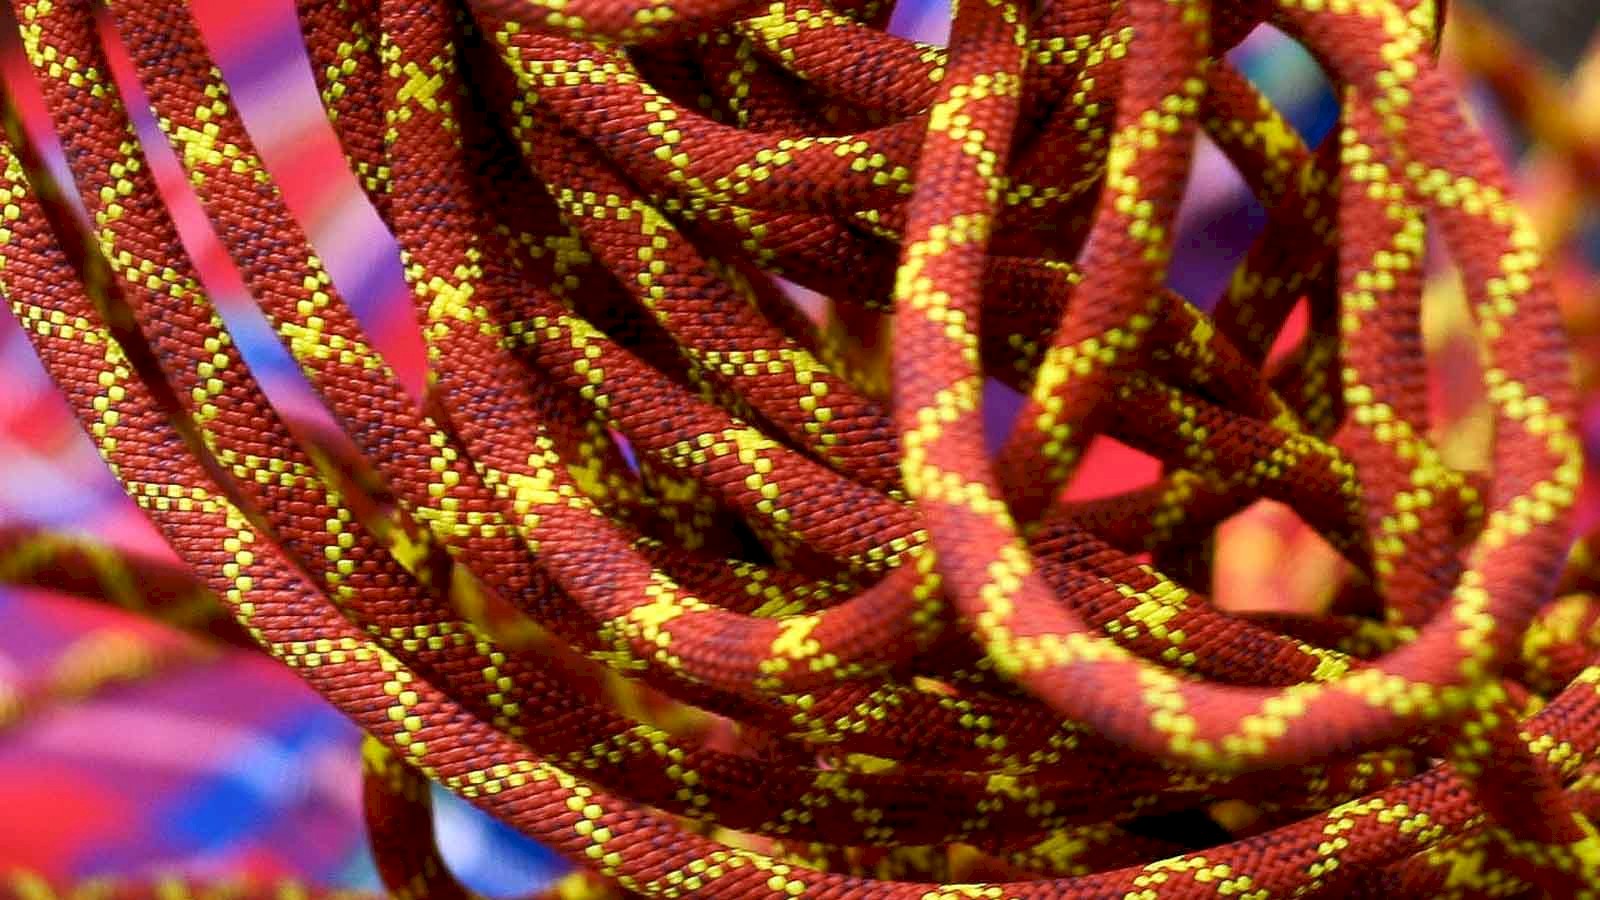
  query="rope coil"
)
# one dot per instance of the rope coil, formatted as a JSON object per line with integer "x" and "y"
{"x": 720, "y": 601}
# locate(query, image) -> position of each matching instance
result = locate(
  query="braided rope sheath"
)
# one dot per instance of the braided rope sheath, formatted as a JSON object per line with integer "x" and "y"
{"x": 715, "y": 602}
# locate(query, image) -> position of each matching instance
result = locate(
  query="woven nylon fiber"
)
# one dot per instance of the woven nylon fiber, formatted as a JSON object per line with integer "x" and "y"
{"x": 720, "y": 600}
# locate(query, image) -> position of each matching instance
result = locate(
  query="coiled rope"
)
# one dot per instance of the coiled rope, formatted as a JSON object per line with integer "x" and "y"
{"x": 937, "y": 669}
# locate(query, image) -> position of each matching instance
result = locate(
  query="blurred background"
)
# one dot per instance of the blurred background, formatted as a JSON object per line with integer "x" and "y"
{"x": 177, "y": 773}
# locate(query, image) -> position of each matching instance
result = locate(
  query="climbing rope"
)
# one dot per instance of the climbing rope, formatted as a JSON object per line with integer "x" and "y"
{"x": 717, "y": 599}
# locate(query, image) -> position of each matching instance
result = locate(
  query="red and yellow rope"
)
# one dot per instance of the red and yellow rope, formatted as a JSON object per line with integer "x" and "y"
{"x": 669, "y": 577}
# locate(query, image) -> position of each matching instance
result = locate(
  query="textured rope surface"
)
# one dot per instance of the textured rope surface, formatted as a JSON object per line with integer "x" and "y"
{"x": 720, "y": 601}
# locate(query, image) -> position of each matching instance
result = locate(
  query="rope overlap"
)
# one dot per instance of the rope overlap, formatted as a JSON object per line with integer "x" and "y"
{"x": 719, "y": 600}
